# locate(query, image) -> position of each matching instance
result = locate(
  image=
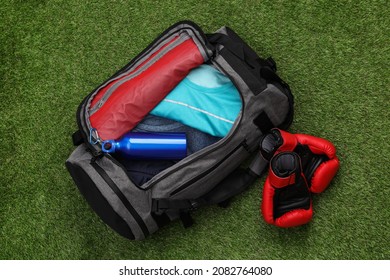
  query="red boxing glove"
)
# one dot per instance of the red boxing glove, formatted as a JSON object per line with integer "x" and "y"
{"x": 286, "y": 196}
{"x": 319, "y": 161}
{"x": 319, "y": 158}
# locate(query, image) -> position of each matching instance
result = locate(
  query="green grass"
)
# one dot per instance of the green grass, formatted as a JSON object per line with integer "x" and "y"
{"x": 334, "y": 54}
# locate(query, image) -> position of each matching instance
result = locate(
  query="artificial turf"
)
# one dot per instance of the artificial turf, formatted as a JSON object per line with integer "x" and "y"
{"x": 335, "y": 56}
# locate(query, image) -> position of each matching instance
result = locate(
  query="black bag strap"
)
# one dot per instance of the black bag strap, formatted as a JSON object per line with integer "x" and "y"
{"x": 186, "y": 219}
{"x": 182, "y": 206}
{"x": 237, "y": 48}
{"x": 242, "y": 50}
{"x": 263, "y": 122}
{"x": 77, "y": 138}
{"x": 236, "y": 51}
{"x": 262, "y": 70}
{"x": 164, "y": 204}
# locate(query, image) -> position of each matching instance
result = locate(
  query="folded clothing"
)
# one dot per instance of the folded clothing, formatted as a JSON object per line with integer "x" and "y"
{"x": 205, "y": 99}
{"x": 141, "y": 171}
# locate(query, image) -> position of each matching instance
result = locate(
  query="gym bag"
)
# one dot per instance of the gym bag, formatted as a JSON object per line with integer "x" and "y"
{"x": 211, "y": 175}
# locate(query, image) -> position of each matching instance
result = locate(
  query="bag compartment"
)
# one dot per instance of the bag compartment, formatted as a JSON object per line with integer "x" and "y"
{"x": 101, "y": 92}
{"x": 126, "y": 100}
{"x": 205, "y": 181}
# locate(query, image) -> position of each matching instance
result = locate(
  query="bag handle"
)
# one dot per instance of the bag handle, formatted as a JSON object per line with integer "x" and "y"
{"x": 239, "y": 48}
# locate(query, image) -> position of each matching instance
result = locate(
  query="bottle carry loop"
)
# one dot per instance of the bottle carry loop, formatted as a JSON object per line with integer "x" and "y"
{"x": 77, "y": 138}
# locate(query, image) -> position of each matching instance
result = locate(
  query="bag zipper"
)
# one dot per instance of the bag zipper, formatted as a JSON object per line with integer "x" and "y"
{"x": 186, "y": 161}
{"x": 164, "y": 39}
{"x": 190, "y": 159}
{"x": 243, "y": 144}
{"x": 121, "y": 196}
{"x": 132, "y": 63}
{"x": 138, "y": 72}
{"x": 81, "y": 119}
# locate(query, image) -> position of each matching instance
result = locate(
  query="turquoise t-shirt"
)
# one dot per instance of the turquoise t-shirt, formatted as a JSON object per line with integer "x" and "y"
{"x": 206, "y": 100}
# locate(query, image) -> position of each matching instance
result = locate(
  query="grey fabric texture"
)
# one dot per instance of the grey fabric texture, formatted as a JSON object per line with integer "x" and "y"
{"x": 258, "y": 164}
{"x": 140, "y": 200}
{"x": 206, "y": 183}
{"x": 222, "y": 30}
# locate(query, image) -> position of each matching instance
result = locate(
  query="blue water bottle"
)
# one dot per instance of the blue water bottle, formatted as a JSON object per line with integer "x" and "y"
{"x": 142, "y": 145}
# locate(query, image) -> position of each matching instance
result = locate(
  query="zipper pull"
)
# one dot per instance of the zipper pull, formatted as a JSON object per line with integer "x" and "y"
{"x": 96, "y": 156}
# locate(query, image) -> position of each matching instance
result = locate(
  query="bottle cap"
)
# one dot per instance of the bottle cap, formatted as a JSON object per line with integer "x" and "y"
{"x": 108, "y": 146}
